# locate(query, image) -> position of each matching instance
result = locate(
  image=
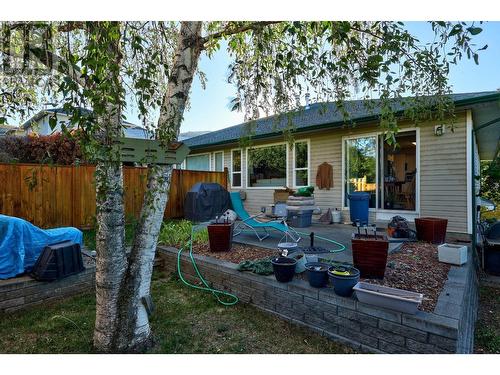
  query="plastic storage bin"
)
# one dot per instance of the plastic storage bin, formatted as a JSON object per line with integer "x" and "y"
{"x": 300, "y": 219}
{"x": 358, "y": 206}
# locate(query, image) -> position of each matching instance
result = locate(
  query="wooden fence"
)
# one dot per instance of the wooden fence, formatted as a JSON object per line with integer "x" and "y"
{"x": 52, "y": 196}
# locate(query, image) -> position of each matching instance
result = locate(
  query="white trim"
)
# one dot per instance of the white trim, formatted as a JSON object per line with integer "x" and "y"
{"x": 286, "y": 167}
{"x": 380, "y": 211}
{"x": 213, "y": 166}
{"x": 308, "y": 168}
{"x": 364, "y": 135}
{"x": 468, "y": 155}
{"x": 200, "y": 154}
{"x": 240, "y": 171}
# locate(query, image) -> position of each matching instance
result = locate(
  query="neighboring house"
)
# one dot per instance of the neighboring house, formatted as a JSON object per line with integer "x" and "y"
{"x": 187, "y": 135}
{"x": 9, "y": 130}
{"x": 430, "y": 174}
{"x": 39, "y": 124}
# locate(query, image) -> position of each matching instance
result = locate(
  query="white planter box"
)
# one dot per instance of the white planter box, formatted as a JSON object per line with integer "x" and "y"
{"x": 389, "y": 298}
{"x": 453, "y": 254}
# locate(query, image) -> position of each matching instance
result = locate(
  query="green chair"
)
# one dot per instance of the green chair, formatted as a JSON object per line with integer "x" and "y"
{"x": 249, "y": 221}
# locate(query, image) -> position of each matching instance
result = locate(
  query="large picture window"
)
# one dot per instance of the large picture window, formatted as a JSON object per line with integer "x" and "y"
{"x": 301, "y": 164}
{"x": 236, "y": 168}
{"x": 267, "y": 166}
{"x": 198, "y": 162}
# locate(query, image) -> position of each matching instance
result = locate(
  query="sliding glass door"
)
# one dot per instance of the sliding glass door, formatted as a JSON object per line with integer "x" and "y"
{"x": 361, "y": 167}
{"x": 388, "y": 173}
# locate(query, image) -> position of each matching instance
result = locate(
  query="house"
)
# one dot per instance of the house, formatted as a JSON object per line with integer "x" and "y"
{"x": 429, "y": 174}
{"x": 39, "y": 124}
{"x": 9, "y": 130}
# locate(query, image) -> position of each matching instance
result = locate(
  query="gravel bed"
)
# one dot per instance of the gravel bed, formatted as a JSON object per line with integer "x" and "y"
{"x": 415, "y": 267}
{"x": 237, "y": 254}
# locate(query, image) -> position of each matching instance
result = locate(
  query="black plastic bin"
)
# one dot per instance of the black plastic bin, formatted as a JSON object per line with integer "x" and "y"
{"x": 57, "y": 261}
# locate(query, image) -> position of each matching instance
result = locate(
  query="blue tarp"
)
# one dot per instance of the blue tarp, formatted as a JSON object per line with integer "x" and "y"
{"x": 21, "y": 243}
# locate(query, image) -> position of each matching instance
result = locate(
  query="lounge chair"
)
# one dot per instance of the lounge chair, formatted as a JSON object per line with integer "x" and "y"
{"x": 255, "y": 225}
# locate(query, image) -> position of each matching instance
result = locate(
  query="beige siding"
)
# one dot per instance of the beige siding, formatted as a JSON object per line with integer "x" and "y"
{"x": 443, "y": 175}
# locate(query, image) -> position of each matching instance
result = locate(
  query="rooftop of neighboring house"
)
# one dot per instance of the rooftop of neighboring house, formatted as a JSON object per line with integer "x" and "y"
{"x": 62, "y": 111}
{"x": 319, "y": 116}
{"x": 191, "y": 134}
{"x": 8, "y": 129}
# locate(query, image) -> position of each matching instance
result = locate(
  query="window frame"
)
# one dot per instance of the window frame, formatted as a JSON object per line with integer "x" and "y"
{"x": 213, "y": 165}
{"x": 308, "y": 168}
{"x": 240, "y": 171}
{"x": 287, "y": 182}
{"x": 200, "y": 154}
{"x": 382, "y": 211}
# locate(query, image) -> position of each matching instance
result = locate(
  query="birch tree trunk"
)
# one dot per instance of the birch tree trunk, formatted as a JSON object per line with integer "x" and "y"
{"x": 128, "y": 328}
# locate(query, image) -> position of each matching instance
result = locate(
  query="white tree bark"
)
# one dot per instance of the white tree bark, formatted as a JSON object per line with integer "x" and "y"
{"x": 122, "y": 323}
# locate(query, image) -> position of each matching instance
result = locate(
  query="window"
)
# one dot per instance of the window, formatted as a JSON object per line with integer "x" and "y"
{"x": 301, "y": 164}
{"x": 236, "y": 168}
{"x": 218, "y": 158}
{"x": 267, "y": 166}
{"x": 361, "y": 167}
{"x": 198, "y": 162}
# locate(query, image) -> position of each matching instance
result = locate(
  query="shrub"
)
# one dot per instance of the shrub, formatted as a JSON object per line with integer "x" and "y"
{"x": 178, "y": 234}
{"x": 52, "y": 149}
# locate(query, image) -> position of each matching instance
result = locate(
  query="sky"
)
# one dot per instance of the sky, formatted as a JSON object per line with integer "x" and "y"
{"x": 209, "y": 108}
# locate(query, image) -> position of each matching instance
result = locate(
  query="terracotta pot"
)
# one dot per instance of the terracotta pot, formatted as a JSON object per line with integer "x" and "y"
{"x": 369, "y": 255}
{"x": 220, "y": 237}
{"x": 431, "y": 229}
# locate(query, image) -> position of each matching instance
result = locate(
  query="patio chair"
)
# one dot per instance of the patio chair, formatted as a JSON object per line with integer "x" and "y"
{"x": 249, "y": 221}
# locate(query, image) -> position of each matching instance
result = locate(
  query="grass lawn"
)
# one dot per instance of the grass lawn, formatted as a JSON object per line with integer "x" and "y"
{"x": 487, "y": 339}
{"x": 185, "y": 321}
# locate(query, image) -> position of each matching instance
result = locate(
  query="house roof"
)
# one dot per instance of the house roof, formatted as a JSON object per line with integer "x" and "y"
{"x": 318, "y": 116}
{"x": 62, "y": 111}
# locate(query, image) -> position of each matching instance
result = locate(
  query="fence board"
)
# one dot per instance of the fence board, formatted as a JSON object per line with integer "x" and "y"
{"x": 52, "y": 196}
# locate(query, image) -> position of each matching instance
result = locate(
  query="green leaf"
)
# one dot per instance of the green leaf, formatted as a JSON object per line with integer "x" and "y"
{"x": 476, "y": 58}
{"x": 474, "y": 30}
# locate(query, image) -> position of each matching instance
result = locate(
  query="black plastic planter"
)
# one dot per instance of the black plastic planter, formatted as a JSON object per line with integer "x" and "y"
{"x": 317, "y": 274}
{"x": 284, "y": 268}
{"x": 343, "y": 284}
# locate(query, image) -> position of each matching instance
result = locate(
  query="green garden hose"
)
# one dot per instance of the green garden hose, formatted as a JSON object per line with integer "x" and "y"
{"x": 218, "y": 293}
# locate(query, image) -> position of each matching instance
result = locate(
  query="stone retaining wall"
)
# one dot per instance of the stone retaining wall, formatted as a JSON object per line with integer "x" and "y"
{"x": 449, "y": 329}
{"x": 22, "y": 292}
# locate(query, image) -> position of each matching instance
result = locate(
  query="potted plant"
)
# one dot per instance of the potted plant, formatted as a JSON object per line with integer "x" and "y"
{"x": 284, "y": 268}
{"x": 343, "y": 279}
{"x": 369, "y": 254}
{"x": 317, "y": 274}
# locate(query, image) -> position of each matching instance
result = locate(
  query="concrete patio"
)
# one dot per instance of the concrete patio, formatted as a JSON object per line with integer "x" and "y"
{"x": 338, "y": 232}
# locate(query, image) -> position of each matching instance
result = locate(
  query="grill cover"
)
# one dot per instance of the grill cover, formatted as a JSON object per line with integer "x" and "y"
{"x": 205, "y": 201}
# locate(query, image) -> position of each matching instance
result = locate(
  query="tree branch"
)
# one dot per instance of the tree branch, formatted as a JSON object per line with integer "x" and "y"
{"x": 236, "y": 30}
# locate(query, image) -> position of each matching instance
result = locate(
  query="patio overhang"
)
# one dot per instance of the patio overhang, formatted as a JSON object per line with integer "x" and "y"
{"x": 486, "y": 120}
